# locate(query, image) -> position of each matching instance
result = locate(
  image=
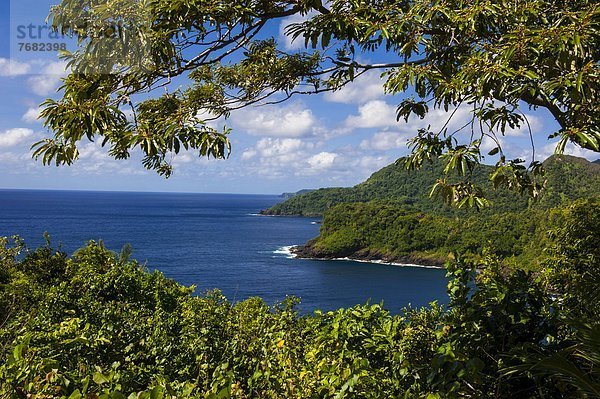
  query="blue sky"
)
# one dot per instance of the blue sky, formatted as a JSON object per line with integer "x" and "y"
{"x": 335, "y": 139}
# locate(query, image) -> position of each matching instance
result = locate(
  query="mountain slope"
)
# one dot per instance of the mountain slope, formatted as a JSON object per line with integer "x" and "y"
{"x": 391, "y": 233}
{"x": 403, "y": 225}
{"x": 568, "y": 178}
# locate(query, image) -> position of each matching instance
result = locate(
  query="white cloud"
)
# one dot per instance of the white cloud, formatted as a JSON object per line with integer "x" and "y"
{"x": 94, "y": 159}
{"x": 12, "y": 158}
{"x": 276, "y": 147}
{"x": 322, "y": 161}
{"x": 249, "y": 154}
{"x": 375, "y": 113}
{"x": 294, "y": 19}
{"x": 32, "y": 115}
{"x": 277, "y": 158}
{"x": 487, "y": 144}
{"x": 92, "y": 151}
{"x": 386, "y": 140}
{"x": 12, "y": 137}
{"x": 9, "y": 68}
{"x": 571, "y": 149}
{"x": 182, "y": 158}
{"x": 370, "y": 164}
{"x": 337, "y": 166}
{"x": 292, "y": 121}
{"x": 49, "y": 78}
{"x": 365, "y": 88}
{"x": 380, "y": 114}
{"x": 535, "y": 122}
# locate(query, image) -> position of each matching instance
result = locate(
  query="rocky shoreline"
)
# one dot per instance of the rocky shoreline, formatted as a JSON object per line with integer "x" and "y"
{"x": 269, "y": 212}
{"x": 308, "y": 252}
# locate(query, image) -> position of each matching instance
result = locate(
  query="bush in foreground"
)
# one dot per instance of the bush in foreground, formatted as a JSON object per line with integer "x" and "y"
{"x": 98, "y": 325}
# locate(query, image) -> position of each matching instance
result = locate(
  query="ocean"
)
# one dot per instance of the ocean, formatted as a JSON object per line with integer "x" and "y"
{"x": 215, "y": 241}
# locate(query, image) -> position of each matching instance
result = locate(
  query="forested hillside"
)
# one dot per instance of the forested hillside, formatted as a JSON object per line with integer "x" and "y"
{"x": 386, "y": 231}
{"x": 391, "y": 217}
{"x": 568, "y": 178}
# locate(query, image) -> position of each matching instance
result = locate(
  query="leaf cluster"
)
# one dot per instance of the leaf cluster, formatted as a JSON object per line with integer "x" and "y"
{"x": 98, "y": 325}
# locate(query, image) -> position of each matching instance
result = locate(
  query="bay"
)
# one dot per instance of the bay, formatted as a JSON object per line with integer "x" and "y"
{"x": 215, "y": 241}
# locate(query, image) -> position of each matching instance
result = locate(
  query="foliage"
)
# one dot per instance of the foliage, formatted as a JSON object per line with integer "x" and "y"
{"x": 397, "y": 233}
{"x": 104, "y": 327}
{"x": 576, "y": 365}
{"x": 575, "y": 263}
{"x": 490, "y": 57}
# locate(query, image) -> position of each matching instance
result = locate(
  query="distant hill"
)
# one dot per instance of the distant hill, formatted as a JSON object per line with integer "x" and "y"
{"x": 292, "y": 195}
{"x": 568, "y": 178}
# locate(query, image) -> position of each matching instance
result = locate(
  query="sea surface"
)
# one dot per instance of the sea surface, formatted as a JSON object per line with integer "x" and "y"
{"x": 215, "y": 241}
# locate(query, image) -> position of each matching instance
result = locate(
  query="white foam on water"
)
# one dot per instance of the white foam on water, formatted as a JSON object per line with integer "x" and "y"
{"x": 286, "y": 251}
{"x": 382, "y": 262}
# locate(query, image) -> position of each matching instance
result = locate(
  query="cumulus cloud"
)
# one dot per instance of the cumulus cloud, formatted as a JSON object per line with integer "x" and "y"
{"x": 322, "y": 161}
{"x": 92, "y": 151}
{"x": 13, "y": 158}
{"x": 183, "y": 158}
{"x": 276, "y": 157}
{"x": 9, "y": 68}
{"x": 94, "y": 159}
{"x": 287, "y": 40}
{"x": 12, "y": 137}
{"x": 364, "y": 89}
{"x": 385, "y": 140}
{"x": 375, "y": 113}
{"x": 284, "y": 158}
{"x": 282, "y": 149}
{"x": 31, "y": 115}
{"x": 535, "y": 122}
{"x": 291, "y": 121}
{"x": 48, "y": 78}
{"x": 369, "y": 164}
{"x": 380, "y": 114}
{"x": 571, "y": 149}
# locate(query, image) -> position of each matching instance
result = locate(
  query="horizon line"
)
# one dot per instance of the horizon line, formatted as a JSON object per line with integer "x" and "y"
{"x": 133, "y": 191}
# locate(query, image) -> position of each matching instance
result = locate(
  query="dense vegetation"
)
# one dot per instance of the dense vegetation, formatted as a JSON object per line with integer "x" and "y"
{"x": 568, "y": 178}
{"x": 291, "y": 195}
{"x": 98, "y": 325}
{"x": 391, "y": 217}
{"x": 491, "y": 58}
{"x": 396, "y": 233}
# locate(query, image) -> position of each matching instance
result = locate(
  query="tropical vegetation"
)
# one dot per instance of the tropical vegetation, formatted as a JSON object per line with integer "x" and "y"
{"x": 390, "y": 217}
{"x": 98, "y": 325}
{"x": 566, "y": 178}
{"x": 493, "y": 58}
{"x": 385, "y": 231}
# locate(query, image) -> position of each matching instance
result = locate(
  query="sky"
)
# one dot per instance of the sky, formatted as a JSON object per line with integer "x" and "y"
{"x": 334, "y": 139}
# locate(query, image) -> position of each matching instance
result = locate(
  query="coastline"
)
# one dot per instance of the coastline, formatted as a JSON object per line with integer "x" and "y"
{"x": 267, "y": 212}
{"x": 299, "y": 252}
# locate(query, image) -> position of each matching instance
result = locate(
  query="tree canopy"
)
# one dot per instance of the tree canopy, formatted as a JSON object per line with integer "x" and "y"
{"x": 495, "y": 57}
{"x": 97, "y": 325}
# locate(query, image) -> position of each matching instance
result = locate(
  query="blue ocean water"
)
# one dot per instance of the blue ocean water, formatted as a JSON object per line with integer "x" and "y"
{"x": 215, "y": 241}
